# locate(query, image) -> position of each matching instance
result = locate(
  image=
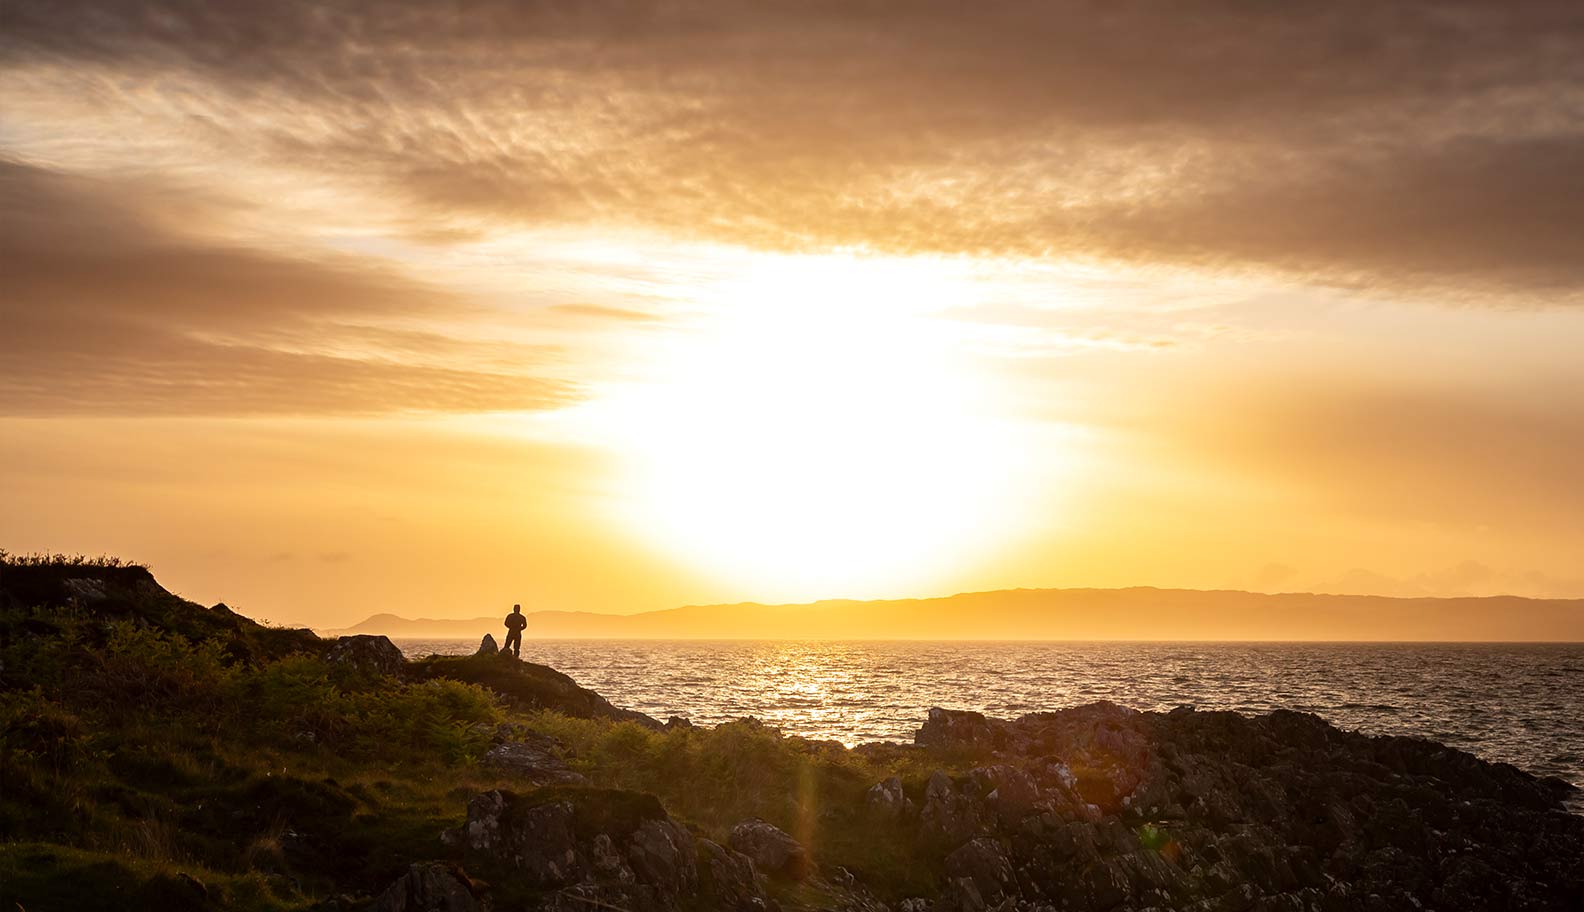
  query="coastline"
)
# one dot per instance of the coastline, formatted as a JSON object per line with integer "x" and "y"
{"x": 288, "y": 772}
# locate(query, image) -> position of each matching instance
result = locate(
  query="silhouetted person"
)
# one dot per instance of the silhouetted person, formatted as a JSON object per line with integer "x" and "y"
{"x": 515, "y": 622}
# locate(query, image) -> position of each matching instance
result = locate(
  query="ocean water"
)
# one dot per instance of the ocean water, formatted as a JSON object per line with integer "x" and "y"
{"x": 1518, "y": 703}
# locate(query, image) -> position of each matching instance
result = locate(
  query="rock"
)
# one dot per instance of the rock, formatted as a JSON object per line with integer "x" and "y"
{"x": 537, "y": 759}
{"x": 537, "y": 842}
{"x": 887, "y": 801}
{"x": 980, "y": 874}
{"x": 728, "y": 880}
{"x": 525, "y": 685}
{"x": 955, "y": 729}
{"x": 949, "y": 815}
{"x": 487, "y": 646}
{"x": 1010, "y": 791}
{"x": 532, "y": 764}
{"x": 676, "y": 722}
{"x": 365, "y": 653}
{"x": 1095, "y": 807}
{"x": 661, "y": 852}
{"x": 593, "y": 847}
{"x": 430, "y": 886}
{"x": 772, "y": 850}
{"x": 1102, "y": 807}
{"x": 85, "y": 591}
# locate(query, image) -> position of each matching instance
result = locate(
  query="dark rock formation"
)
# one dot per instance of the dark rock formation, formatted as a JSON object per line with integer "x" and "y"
{"x": 887, "y": 801}
{"x": 366, "y": 653}
{"x": 980, "y": 874}
{"x": 955, "y": 728}
{"x": 772, "y": 849}
{"x": 525, "y": 685}
{"x": 487, "y": 647}
{"x": 430, "y": 887}
{"x": 536, "y": 758}
{"x": 1104, "y": 808}
{"x": 729, "y": 877}
{"x": 573, "y": 848}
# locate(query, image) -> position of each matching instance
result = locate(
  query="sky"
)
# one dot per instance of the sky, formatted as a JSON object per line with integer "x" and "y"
{"x": 428, "y": 308}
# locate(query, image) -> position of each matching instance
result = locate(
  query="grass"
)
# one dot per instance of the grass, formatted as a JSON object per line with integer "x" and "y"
{"x": 39, "y": 877}
{"x": 55, "y": 560}
{"x": 716, "y": 777}
{"x": 147, "y": 740}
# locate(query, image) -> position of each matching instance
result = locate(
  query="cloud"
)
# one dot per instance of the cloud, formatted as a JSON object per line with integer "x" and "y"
{"x": 107, "y": 311}
{"x": 1410, "y": 146}
{"x": 604, "y": 312}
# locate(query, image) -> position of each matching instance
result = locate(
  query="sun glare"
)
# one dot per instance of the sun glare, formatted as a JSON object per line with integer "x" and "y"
{"x": 821, "y": 432}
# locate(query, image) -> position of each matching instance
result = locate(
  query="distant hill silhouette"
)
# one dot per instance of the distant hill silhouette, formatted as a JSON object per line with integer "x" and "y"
{"x": 1058, "y": 614}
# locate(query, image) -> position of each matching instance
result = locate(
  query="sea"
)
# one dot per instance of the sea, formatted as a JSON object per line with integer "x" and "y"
{"x": 1519, "y": 703}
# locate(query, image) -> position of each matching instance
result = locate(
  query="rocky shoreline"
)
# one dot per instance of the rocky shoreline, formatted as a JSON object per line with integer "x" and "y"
{"x": 1092, "y": 808}
{"x": 535, "y": 793}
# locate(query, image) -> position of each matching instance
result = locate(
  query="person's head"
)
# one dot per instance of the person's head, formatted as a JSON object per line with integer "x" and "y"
{"x": 516, "y": 609}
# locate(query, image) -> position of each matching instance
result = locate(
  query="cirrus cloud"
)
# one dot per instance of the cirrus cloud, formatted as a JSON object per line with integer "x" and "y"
{"x": 1414, "y": 147}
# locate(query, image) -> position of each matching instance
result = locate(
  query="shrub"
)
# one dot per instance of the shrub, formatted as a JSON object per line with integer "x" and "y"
{"x": 430, "y": 719}
{"x": 142, "y": 669}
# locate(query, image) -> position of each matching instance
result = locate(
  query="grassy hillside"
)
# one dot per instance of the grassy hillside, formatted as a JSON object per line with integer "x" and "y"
{"x": 162, "y": 755}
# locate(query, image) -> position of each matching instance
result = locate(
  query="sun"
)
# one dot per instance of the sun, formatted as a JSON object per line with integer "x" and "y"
{"x": 821, "y": 432}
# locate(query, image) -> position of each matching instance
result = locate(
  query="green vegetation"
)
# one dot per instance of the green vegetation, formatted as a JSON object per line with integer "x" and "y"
{"x": 163, "y": 755}
{"x": 715, "y": 777}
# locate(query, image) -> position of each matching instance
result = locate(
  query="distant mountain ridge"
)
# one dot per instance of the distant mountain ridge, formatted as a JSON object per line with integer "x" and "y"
{"x": 1138, "y": 613}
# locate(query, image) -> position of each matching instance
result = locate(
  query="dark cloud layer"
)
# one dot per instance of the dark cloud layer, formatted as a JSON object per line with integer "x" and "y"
{"x": 104, "y": 312}
{"x": 1411, "y": 145}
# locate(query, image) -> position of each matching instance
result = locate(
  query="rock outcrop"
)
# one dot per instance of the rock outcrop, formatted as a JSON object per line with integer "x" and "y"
{"x": 887, "y": 801}
{"x": 772, "y": 849}
{"x": 1101, "y": 807}
{"x": 536, "y": 758}
{"x": 366, "y": 653}
{"x": 1093, "y": 808}
{"x": 573, "y": 848}
{"x": 525, "y": 685}
{"x": 487, "y": 646}
{"x": 430, "y": 887}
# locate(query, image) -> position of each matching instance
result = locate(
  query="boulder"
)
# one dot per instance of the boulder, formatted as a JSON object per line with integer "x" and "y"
{"x": 430, "y": 886}
{"x": 728, "y": 879}
{"x": 950, "y": 815}
{"x": 1010, "y": 791}
{"x": 593, "y": 847}
{"x": 956, "y": 729}
{"x": 365, "y": 653}
{"x": 487, "y": 646}
{"x": 980, "y": 874}
{"x": 887, "y": 801}
{"x": 771, "y": 848}
{"x": 536, "y": 758}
